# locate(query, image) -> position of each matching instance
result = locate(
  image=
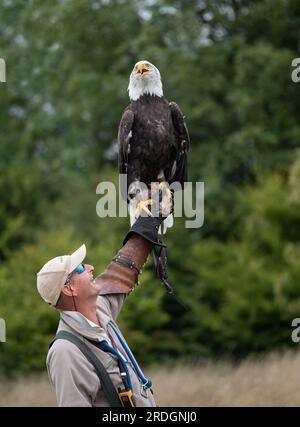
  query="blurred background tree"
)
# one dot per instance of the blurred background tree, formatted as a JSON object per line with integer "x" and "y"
{"x": 228, "y": 65}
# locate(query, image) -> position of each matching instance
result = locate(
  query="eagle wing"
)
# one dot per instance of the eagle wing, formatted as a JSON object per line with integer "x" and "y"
{"x": 182, "y": 144}
{"x": 124, "y": 136}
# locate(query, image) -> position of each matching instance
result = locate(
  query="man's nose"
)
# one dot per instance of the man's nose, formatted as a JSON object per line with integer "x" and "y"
{"x": 90, "y": 268}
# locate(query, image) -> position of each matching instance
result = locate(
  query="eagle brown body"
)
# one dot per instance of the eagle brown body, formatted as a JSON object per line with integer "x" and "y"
{"x": 153, "y": 141}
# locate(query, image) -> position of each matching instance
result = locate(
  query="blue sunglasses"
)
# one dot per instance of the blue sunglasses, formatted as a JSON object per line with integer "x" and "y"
{"x": 79, "y": 269}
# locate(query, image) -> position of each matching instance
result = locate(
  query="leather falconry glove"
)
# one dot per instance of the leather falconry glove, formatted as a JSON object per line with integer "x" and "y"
{"x": 121, "y": 275}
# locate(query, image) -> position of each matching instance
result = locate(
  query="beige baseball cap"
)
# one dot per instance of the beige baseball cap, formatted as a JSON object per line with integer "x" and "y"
{"x": 53, "y": 275}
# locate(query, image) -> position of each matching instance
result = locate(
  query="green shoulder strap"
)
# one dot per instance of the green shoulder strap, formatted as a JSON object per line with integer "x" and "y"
{"x": 108, "y": 387}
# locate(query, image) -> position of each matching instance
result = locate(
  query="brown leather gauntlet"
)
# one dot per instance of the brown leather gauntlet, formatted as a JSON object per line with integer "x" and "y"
{"x": 119, "y": 279}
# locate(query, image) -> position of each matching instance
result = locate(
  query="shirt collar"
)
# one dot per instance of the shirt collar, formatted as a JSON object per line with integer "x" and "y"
{"x": 82, "y": 325}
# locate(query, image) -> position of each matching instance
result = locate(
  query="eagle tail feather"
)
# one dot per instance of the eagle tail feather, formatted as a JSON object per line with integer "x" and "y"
{"x": 168, "y": 223}
{"x": 132, "y": 208}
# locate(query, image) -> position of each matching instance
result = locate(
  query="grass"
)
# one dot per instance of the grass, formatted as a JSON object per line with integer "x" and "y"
{"x": 273, "y": 380}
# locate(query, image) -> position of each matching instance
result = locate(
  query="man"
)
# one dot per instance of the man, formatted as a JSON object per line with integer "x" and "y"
{"x": 89, "y": 309}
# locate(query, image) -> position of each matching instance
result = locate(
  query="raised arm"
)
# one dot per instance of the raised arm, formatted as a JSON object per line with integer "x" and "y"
{"x": 122, "y": 273}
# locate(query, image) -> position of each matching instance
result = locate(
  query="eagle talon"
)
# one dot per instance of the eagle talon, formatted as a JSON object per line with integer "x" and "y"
{"x": 142, "y": 206}
{"x": 164, "y": 187}
{"x": 166, "y": 198}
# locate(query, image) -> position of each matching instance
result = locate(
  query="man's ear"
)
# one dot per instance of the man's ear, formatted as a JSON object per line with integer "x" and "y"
{"x": 68, "y": 290}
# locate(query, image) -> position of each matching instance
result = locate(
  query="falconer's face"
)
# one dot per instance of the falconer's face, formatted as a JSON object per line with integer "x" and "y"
{"x": 83, "y": 285}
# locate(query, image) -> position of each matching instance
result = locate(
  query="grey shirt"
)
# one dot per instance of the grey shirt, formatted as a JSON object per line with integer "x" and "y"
{"x": 72, "y": 375}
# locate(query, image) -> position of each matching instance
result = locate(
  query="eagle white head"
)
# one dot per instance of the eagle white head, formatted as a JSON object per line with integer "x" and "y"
{"x": 144, "y": 79}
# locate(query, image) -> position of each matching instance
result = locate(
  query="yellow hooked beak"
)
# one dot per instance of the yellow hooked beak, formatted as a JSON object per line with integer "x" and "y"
{"x": 142, "y": 69}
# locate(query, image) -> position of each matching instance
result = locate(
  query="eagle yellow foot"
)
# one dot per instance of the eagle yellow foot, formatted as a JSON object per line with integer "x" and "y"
{"x": 167, "y": 201}
{"x": 142, "y": 206}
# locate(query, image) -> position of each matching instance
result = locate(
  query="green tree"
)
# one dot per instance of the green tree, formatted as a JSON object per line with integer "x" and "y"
{"x": 228, "y": 65}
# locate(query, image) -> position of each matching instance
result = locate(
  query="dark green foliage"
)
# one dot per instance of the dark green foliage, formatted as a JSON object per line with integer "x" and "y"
{"x": 228, "y": 65}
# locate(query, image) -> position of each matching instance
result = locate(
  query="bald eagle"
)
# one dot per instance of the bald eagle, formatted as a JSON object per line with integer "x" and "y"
{"x": 153, "y": 138}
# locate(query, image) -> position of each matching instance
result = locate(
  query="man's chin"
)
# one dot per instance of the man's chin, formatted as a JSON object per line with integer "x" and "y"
{"x": 95, "y": 285}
